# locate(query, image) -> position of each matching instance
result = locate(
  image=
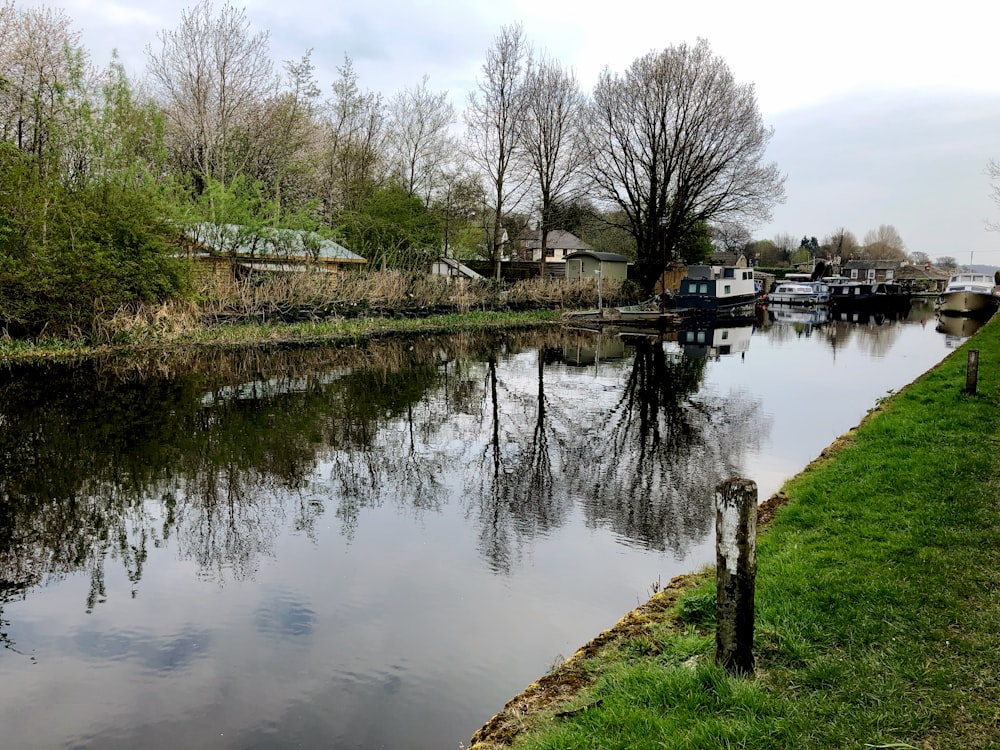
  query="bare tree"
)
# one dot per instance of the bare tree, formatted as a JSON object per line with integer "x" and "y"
{"x": 786, "y": 244}
{"x": 731, "y": 237}
{"x": 42, "y": 71}
{"x": 885, "y": 243}
{"x": 492, "y": 125}
{"x": 419, "y": 120}
{"x": 458, "y": 201}
{"x": 551, "y": 137}
{"x": 285, "y": 158}
{"x": 675, "y": 142}
{"x": 211, "y": 75}
{"x": 841, "y": 244}
{"x": 355, "y": 144}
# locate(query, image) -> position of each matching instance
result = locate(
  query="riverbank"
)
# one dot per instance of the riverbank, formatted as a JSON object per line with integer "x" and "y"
{"x": 250, "y": 334}
{"x": 878, "y": 598}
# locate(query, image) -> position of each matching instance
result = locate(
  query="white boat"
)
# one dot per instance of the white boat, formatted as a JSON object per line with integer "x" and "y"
{"x": 969, "y": 294}
{"x": 797, "y": 293}
{"x": 721, "y": 289}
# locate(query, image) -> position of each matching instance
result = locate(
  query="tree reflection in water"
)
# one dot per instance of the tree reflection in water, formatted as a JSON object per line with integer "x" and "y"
{"x": 649, "y": 469}
{"x": 220, "y": 455}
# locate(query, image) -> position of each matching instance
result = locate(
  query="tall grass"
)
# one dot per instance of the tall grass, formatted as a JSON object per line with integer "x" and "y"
{"x": 286, "y": 306}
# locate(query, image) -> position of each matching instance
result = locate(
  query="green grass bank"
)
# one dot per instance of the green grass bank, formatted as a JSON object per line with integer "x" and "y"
{"x": 877, "y": 605}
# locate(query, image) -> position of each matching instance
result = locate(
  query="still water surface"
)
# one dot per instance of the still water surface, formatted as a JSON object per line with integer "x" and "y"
{"x": 377, "y": 546}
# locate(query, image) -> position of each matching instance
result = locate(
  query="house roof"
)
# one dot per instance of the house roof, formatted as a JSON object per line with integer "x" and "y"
{"x": 603, "y": 257}
{"x": 726, "y": 258}
{"x": 268, "y": 243}
{"x": 932, "y": 273}
{"x": 555, "y": 238}
{"x": 878, "y": 264}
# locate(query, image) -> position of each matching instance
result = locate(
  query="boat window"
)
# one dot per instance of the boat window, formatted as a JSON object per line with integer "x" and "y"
{"x": 727, "y": 289}
{"x": 703, "y": 288}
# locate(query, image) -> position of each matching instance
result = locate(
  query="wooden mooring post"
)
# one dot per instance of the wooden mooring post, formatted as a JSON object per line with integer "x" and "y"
{"x": 972, "y": 372}
{"x": 736, "y": 573}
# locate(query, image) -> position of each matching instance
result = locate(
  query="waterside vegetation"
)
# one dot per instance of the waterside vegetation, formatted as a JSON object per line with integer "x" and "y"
{"x": 878, "y": 595}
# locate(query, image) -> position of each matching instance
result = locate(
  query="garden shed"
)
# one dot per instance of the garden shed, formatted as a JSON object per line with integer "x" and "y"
{"x": 589, "y": 264}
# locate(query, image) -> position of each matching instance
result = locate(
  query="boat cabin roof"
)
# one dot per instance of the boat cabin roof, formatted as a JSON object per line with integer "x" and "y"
{"x": 971, "y": 278}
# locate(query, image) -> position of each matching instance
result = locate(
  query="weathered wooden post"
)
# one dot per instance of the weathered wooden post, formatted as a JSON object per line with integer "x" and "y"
{"x": 972, "y": 372}
{"x": 736, "y": 573}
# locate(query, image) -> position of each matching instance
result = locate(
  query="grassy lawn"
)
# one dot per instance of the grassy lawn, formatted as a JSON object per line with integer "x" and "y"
{"x": 878, "y": 604}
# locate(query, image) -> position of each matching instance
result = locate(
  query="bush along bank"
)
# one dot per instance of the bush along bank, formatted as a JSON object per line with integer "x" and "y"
{"x": 877, "y": 605}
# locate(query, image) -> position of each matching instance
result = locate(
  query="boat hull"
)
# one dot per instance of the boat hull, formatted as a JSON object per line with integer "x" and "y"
{"x": 793, "y": 299}
{"x": 968, "y": 303}
{"x": 707, "y": 303}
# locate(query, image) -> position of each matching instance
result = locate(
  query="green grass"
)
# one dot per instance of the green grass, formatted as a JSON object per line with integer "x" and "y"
{"x": 252, "y": 334}
{"x": 878, "y": 602}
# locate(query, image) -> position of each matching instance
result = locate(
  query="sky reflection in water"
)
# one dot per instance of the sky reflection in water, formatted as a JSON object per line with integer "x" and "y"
{"x": 377, "y": 546}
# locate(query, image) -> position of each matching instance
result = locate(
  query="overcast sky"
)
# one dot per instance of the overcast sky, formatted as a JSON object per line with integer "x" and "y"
{"x": 885, "y": 112}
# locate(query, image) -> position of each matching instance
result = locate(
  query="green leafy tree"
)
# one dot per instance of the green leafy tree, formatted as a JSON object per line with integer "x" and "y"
{"x": 392, "y": 229}
{"x": 70, "y": 255}
{"x": 696, "y": 245}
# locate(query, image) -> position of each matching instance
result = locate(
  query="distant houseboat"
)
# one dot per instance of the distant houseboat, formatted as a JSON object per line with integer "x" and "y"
{"x": 796, "y": 293}
{"x": 718, "y": 289}
{"x": 869, "y": 295}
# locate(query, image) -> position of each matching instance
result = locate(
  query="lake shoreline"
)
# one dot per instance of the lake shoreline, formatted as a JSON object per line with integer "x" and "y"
{"x": 583, "y": 701}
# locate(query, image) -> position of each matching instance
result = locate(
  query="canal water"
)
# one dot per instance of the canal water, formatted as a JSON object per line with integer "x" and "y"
{"x": 377, "y": 546}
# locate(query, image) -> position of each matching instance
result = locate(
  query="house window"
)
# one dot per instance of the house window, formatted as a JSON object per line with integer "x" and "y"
{"x": 871, "y": 273}
{"x": 854, "y": 273}
{"x": 889, "y": 274}
{"x": 550, "y": 252}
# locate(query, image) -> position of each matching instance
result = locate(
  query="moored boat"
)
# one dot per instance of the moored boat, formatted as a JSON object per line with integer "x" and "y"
{"x": 969, "y": 294}
{"x": 795, "y": 293}
{"x": 881, "y": 296}
{"x": 718, "y": 289}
